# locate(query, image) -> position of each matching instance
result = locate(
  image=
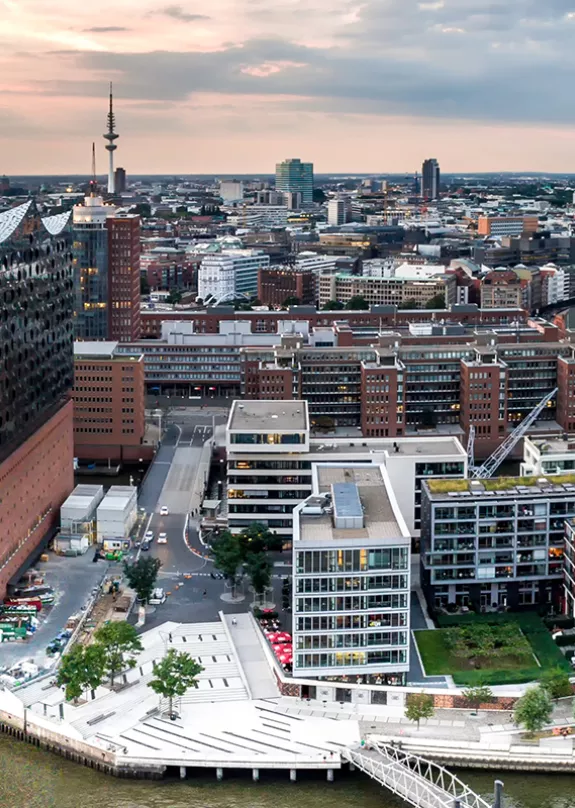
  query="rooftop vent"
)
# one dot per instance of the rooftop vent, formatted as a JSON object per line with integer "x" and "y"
{"x": 347, "y": 508}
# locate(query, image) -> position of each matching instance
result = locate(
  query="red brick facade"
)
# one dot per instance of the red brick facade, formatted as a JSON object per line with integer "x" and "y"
{"x": 34, "y": 482}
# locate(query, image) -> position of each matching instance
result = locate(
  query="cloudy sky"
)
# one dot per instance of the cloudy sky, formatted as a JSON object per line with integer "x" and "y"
{"x": 235, "y": 85}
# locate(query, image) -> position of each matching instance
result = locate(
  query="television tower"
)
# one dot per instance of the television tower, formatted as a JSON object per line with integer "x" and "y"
{"x": 111, "y": 136}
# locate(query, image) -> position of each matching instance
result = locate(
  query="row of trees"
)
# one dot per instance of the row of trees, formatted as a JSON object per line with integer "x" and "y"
{"x": 359, "y": 303}
{"x": 532, "y": 711}
{"x": 246, "y": 553}
{"x": 113, "y": 652}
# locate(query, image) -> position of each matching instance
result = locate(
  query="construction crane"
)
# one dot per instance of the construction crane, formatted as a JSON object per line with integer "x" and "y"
{"x": 496, "y": 459}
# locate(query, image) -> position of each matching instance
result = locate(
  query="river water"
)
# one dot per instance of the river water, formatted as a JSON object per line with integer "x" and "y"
{"x": 32, "y": 778}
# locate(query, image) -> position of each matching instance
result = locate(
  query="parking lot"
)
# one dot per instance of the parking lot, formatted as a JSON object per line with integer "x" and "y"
{"x": 73, "y": 580}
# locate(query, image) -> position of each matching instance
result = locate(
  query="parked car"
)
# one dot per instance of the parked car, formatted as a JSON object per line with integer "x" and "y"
{"x": 158, "y": 597}
{"x": 162, "y": 538}
{"x": 164, "y": 510}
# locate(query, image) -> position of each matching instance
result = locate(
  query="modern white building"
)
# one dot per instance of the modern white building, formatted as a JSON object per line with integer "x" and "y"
{"x": 230, "y": 274}
{"x": 351, "y": 577}
{"x": 270, "y": 472}
{"x": 337, "y": 211}
{"x": 231, "y": 191}
{"x": 547, "y": 455}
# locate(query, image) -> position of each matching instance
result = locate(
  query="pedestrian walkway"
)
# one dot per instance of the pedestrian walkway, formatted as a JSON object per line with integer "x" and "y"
{"x": 248, "y": 648}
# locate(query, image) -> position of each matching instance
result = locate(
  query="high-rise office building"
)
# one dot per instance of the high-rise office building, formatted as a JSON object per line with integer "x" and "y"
{"x": 107, "y": 272}
{"x": 120, "y": 180}
{"x": 294, "y": 176}
{"x": 337, "y": 211}
{"x": 36, "y": 447}
{"x": 430, "y": 178}
{"x": 231, "y": 191}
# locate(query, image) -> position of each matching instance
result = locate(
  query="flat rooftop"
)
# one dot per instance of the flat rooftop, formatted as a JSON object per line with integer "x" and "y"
{"x": 256, "y": 416}
{"x": 379, "y": 517}
{"x": 553, "y": 445}
{"x": 456, "y": 490}
{"x": 95, "y": 350}
{"x": 410, "y": 447}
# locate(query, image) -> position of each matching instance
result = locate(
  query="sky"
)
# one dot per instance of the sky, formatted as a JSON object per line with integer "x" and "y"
{"x": 237, "y": 85}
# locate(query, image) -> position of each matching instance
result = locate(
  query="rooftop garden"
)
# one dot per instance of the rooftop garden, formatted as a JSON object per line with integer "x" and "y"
{"x": 496, "y": 483}
{"x": 494, "y": 649}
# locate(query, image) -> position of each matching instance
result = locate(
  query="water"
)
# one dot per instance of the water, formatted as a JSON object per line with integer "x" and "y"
{"x": 32, "y": 778}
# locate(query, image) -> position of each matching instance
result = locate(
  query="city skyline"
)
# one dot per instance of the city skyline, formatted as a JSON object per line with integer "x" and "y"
{"x": 231, "y": 88}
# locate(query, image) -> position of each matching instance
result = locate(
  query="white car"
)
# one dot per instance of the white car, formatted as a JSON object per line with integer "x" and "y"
{"x": 158, "y": 597}
{"x": 164, "y": 510}
{"x": 149, "y": 536}
{"x": 162, "y": 538}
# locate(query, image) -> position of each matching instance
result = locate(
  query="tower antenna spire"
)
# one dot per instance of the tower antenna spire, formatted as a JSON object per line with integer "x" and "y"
{"x": 111, "y": 147}
{"x": 94, "y": 180}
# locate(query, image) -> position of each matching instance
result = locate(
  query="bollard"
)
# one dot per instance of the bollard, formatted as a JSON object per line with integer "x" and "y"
{"x": 330, "y": 775}
{"x": 182, "y": 772}
{"x": 498, "y": 801}
{"x": 255, "y": 775}
{"x": 293, "y": 775}
{"x": 220, "y": 774}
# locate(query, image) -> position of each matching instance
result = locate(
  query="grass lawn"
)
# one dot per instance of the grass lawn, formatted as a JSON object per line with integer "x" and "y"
{"x": 516, "y": 667}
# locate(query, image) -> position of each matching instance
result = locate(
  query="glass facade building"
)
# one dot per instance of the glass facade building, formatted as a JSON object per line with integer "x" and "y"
{"x": 293, "y": 176}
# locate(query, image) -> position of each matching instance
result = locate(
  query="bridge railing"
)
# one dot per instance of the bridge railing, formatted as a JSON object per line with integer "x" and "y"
{"x": 419, "y": 781}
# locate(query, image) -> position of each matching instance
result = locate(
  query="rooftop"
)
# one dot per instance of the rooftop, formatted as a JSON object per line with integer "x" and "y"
{"x": 257, "y": 416}
{"x": 514, "y": 486}
{"x": 432, "y": 447}
{"x": 95, "y": 350}
{"x": 552, "y": 445}
{"x": 350, "y": 488}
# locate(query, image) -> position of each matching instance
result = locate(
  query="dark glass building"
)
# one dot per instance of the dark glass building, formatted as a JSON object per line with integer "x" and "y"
{"x": 36, "y": 377}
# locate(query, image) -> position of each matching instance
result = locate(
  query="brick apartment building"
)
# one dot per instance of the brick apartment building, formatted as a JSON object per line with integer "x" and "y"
{"x": 36, "y": 448}
{"x": 109, "y": 420}
{"x": 124, "y": 277}
{"x": 277, "y": 284}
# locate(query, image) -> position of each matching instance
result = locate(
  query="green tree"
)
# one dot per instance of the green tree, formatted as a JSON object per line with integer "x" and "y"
{"x": 174, "y": 674}
{"x": 476, "y": 696}
{"x": 144, "y": 285}
{"x": 557, "y": 683}
{"x": 436, "y": 302}
{"x": 119, "y": 641}
{"x": 175, "y": 296}
{"x": 227, "y": 555}
{"x": 357, "y": 303}
{"x": 142, "y": 576}
{"x": 81, "y": 669}
{"x": 292, "y": 300}
{"x": 333, "y": 305}
{"x": 533, "y": 710}
{"x": 419, "y": 705}
{"x": 319, "y": 196}
{"x": 258, "y": 568}
{"x": 258, "y": 538}
{"x": 409, "y": 304}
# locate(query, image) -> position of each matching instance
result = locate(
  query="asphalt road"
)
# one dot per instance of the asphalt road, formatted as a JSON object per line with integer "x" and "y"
{"x": 173, "y": 479}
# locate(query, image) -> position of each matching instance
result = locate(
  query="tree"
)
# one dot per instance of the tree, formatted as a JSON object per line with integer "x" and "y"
{"x": 291, "y": 300}
{"x": 476, "y": 696}
{"x": 175, "y": 674}
{"x": 144, "y": 285}
{"x": 557, "y": 683}
{"x": 81, "y": 669}
{"x": 419, "y": 705}
{"x": 357, "y": 303}
{"x": 534, "y": 709}
{"x": 258, "y": 538}
{"x": 258, "y": 568}
{"x": 142, "y": 576}
{"x": 119, "y": 640}
{"x": 332, "y": 305}
{"x": 409, "y": 304}
{"x": 227, "y": 555}
{"x": 436, "y": 302}
{"x": 175, "y": 296}
{"x": 319, "y": 196}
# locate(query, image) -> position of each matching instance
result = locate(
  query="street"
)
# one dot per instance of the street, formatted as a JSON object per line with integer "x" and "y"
{"x": 177, "y": 479}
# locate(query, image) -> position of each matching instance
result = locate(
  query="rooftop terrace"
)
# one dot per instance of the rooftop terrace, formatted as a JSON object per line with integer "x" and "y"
{"x": 515, "y": 486}
{"x": 257, "y": 416}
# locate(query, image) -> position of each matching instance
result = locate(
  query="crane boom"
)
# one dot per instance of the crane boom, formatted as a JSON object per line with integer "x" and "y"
{"x": 494, "y": 461}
